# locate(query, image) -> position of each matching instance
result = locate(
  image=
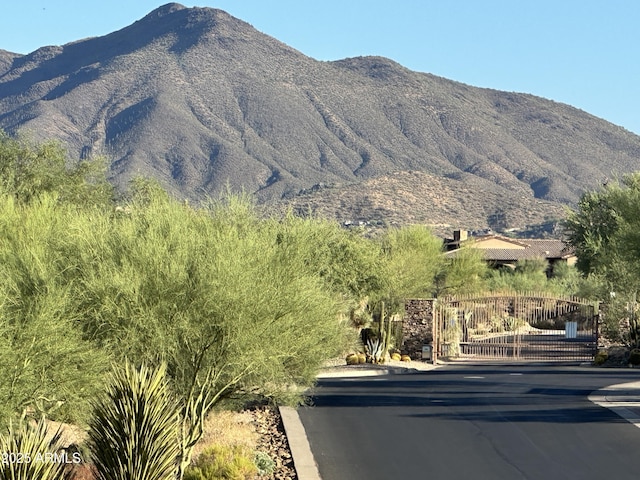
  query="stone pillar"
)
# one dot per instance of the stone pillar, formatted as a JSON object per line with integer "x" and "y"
{"x": 417, "y": 329}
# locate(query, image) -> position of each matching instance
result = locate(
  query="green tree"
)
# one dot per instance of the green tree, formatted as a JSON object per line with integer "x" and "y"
{"x": 350, "y": 265}
{"x": 603, "y": 231}
{"x": 212, "y": 293}
{"x": 28, "y": 169}
{"x": 47, "y": 366}
{"x": 529, "y": 275}
{"x": 464, "y": 272}
{"x": 414, "y": 258}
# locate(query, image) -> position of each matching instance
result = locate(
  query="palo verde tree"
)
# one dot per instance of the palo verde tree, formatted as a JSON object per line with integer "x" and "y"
{"x": 410, "y": 258}
{"x": 29, "y": 169}
{"x": 348, "y": 264}
{"x": 211, "y": 293}
{"x": 46, "y": 365}
{"x": 463, "y": 272}
{"x": 414, "y": 258}
{"x": 604, "y": 230}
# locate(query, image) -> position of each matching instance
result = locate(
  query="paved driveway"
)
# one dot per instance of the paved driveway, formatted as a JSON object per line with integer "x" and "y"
{"x": 472, "y": 422}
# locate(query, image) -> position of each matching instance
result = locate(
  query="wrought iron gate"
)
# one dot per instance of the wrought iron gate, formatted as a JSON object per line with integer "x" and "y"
{"x": 516, "y": 327}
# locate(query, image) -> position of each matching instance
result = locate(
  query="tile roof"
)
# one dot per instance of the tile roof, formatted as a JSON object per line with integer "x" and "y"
{"x": 534, "y": 248}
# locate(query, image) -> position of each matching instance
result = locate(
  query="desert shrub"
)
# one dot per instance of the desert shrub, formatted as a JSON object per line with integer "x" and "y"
{"x": 47, "y": 365}
{"x": 634, "y": 356}
{"x": 413, "y": 258}
{"x": 264, "y": 463}
{"x": 600, "y": 358}
{"x": 29, "y": 169}
{"x": 222, "y": 462}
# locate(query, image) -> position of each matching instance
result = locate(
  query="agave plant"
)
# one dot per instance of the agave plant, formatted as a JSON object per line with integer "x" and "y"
{"x": 133, "y": 434}
{"x": 30, "y": 453}
{"x": 375, "y": 349}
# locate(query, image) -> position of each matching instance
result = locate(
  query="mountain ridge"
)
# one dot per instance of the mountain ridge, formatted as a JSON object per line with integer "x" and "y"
{"x": 201, "y": 100}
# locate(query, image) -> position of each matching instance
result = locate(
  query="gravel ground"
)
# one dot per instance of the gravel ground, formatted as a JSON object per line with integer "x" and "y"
{"x": 273, "y": 441}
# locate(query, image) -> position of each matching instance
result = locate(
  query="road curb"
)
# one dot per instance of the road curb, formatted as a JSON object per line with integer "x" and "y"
{"x": 303, "y": 460}
{"x": 623, "y": 399}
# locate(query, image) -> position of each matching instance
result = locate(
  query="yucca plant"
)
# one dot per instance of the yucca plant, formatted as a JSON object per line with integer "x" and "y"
{"x": 133, "y": 434}
{"x": 30, "y": 453}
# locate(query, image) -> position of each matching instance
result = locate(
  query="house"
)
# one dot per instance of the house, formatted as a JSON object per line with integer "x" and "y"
{"x": 499, "y": 250}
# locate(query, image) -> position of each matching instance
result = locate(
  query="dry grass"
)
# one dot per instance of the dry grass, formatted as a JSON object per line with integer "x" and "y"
{"x": 228, "y": 428}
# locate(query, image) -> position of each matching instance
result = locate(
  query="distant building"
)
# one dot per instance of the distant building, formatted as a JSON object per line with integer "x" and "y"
{"x": 499, "y": 250}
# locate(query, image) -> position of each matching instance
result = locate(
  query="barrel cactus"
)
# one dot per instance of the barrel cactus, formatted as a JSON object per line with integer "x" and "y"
{"x": 352, "y": 359}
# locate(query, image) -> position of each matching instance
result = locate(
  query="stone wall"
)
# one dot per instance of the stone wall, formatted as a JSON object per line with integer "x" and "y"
{"x": 418, "y": 326}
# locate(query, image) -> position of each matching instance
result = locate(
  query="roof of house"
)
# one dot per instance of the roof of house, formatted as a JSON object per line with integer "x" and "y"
{"x": 550, "y": 249}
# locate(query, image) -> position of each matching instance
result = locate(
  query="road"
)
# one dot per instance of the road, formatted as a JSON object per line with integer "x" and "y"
{"x": 472, "y": 422}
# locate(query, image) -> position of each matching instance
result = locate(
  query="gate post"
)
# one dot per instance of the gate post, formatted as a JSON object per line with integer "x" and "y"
{"x": 435, "y": 329}
{"x": 417, "y": 326}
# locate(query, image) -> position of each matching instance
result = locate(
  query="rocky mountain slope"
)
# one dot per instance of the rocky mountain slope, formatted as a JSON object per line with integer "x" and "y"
{"x": 200, "y": 100}
{"x": 411, "y": 197}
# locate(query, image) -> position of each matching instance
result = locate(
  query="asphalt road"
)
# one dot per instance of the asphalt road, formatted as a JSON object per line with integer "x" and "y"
{"x": 472, "y": 422}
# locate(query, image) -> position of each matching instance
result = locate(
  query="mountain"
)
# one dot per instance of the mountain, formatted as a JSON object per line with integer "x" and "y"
{"x": 201, "y": 100}
{"x": 412, "y": 197}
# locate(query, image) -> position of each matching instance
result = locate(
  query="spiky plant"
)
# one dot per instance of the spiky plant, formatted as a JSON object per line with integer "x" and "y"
{"x": 133, "y": 434}
{"x": 30, "y": 453}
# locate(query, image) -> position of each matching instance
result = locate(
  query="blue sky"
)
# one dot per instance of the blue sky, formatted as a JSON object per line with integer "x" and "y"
{"x": 580, "y": 52}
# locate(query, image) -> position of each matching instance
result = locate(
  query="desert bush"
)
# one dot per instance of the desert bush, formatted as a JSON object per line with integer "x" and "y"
{"x": 48, "y": 366}
{"x": 414, "y": 257}
{"x": 29, "y": 169}
{"x": 463, "y": 273}
{"x": 634, "y": 356}
{"x": 600, "y": 358}
{"x": 222, "y": 462}
{"x": 264, "y": 463}
{"x": 227, "y": 428}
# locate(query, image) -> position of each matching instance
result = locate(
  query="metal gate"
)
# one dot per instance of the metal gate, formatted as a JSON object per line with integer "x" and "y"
{"x": 516, "y": 327}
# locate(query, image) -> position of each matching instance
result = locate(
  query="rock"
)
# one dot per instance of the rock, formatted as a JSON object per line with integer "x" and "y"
{"x": 273, "y": 441}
